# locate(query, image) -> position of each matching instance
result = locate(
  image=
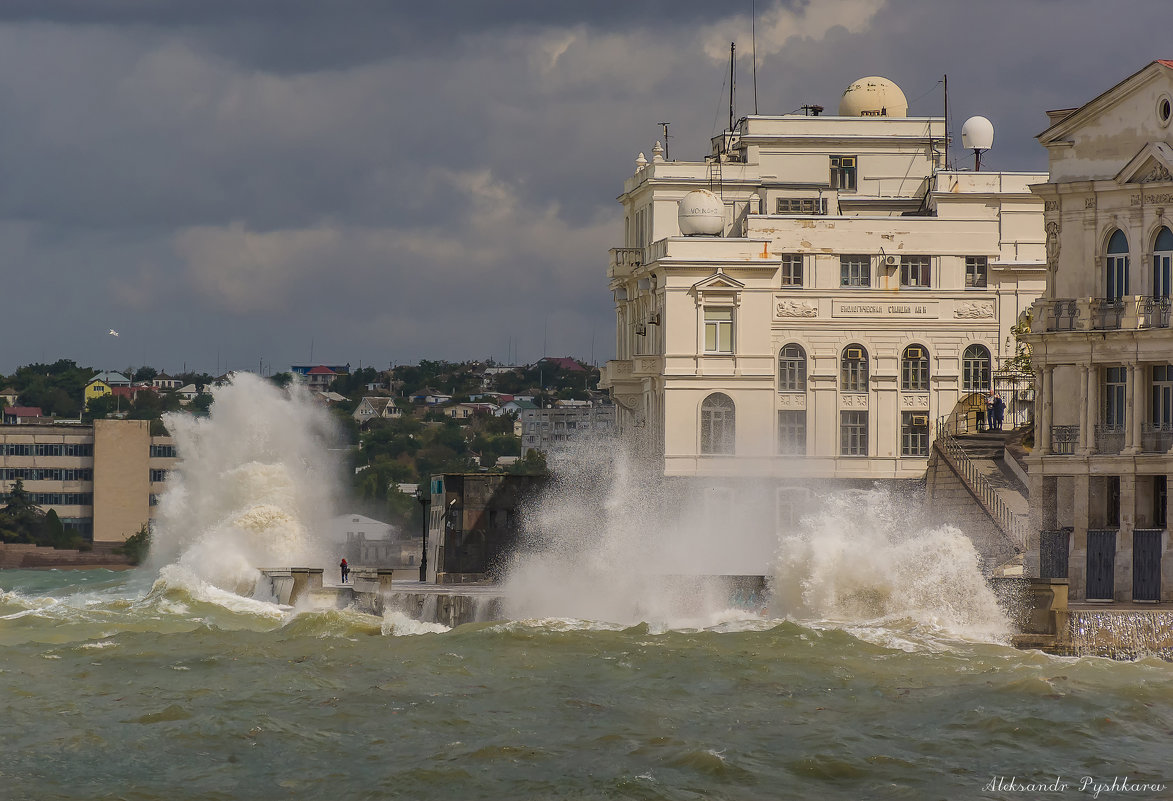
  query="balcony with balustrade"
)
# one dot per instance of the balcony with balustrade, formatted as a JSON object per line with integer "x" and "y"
{"x": 1129, "y": 313}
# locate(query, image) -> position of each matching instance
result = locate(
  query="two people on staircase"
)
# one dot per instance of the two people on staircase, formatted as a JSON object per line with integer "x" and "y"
{"x": 995, "y": 412}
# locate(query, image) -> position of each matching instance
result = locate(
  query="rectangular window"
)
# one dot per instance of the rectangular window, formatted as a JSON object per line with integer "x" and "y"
{"x": 914, "y": 370}
{"x": 843, "y": 173}
{"x": 853, "y": 433}
{"x": 855, "y": 270}
{"x": 914, "y": 434}
{"x": 915, "y": 271}
{"x": 975, "y": 272}
{"x": 163, "y": 451}
{"x": 1162, "y": 405}
{"x": 158, "y": 476}
{"x": 792, "y": 269}
{"x": 718, "y": 330}
{"x": 801, "y": 205}
{"x": 1115, "y": 392}
{"x": 792, "y": 432}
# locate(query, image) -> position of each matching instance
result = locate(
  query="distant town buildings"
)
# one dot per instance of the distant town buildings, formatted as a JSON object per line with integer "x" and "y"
{"x": 1103, "y": 346}
{"x": 565, "y": 421}
{"x": 811, "y": 297}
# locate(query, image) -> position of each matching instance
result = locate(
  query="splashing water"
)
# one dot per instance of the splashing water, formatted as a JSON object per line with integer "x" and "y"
{"x": 253, "y": 488}
{"x": 610, "y": 541}
{"x": 863, "y": 556}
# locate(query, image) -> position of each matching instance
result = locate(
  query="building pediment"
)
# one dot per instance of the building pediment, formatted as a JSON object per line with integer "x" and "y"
{"x": 717, "y": 282}
{"x": 1154, "y": 162}
{"x": 1067, "y": 124}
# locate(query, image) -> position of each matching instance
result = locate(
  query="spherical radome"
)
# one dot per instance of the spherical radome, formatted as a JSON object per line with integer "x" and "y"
{"x": 977, "y": 134}
{"x": 873, "y": 97}
{"x": 701, "y": 213}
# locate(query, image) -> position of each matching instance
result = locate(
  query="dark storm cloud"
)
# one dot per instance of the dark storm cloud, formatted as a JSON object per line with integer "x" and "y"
{"x": 226, "y": 182}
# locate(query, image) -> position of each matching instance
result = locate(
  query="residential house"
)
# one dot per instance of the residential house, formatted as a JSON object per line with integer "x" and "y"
{"x": 376, "y": 408}
{"x": 9, "y": 396}
{"x": 21, "y": 415}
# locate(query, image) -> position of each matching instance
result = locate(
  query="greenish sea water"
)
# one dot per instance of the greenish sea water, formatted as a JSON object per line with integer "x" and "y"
{"x": 122, "y": 686}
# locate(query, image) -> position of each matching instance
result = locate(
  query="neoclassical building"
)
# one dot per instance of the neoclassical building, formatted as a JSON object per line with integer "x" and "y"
{"x": 810, "y": 298}
{"x": 1103, "y": 348}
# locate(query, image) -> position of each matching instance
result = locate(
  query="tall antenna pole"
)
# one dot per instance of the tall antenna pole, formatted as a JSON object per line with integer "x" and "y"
{"x": 732, "y": 91}
{"x": 665, "y": 125}
{"x": 946, "y": 122}
{"x": 753, "y": 32}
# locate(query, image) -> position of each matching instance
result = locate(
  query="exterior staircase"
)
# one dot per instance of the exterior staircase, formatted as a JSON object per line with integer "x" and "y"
{"x": 975, "y": 481}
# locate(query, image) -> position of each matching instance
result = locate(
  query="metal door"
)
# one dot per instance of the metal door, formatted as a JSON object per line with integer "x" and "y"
{"x": 1054, "y": 547}
{"x": 1146, "y": 564}
{"x": 1101, "y": 563}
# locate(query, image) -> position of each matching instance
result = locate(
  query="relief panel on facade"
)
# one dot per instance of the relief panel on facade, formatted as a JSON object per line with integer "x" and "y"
{"x": 883, "y": 308}
{"x": 974, "y": 310}
{"x": 791, "y": 400}
{"x": 787, "y": 307}
{"x": 917, "y": 401}
{"x": 853, "y": 401}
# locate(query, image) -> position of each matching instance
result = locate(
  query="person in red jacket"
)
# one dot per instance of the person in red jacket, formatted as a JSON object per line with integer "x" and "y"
{"x": 345, "y": 568}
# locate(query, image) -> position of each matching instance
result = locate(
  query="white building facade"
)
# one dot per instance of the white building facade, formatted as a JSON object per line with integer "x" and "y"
{"x": 851, "y": 292}
{"x": 1103, "y": 347}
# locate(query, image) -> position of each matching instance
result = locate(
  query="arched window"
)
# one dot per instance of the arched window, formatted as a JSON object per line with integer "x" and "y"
{"x": 1162, "y": 261}
{"x": 853, "y": 369}
{"x": 1117, "y": 266}
{"x": 718, "y": 419}
{"x": 914, "y": 369}
{"x": 975, "y": 369}
{"x": 792, "y": 369}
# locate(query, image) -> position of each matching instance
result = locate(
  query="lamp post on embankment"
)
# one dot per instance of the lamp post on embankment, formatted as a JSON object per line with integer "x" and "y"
{"x": 425, "y": 500}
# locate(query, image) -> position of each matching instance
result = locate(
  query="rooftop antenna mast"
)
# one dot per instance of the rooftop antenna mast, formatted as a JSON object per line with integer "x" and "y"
{"x": 753, "y": 32}
{"x": 665, "y": 125}
{"x": 732, "y": 89}
{"x": 946, "y": 80}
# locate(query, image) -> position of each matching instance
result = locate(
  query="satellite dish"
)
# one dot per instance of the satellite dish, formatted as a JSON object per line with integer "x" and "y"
{"x": 977, "y": 134}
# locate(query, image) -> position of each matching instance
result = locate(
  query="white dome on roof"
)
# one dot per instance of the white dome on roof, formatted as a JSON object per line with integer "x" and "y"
{"x": 873, "y": 97}
{"x": 701, "y": 213}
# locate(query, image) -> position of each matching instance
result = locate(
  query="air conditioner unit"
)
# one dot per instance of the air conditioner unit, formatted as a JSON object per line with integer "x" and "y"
{"x": 890, "y": 261}
{"x": 920, "y": 419}
{"x": 853, "y": 353}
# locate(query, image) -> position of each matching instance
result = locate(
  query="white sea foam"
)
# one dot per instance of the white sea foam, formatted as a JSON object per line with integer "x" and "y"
{"x": 398, "y": 624}
{"x": 253, "y": 488}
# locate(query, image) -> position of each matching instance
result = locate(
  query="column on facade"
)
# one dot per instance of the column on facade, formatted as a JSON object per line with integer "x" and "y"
{"x": 1122, "y": 575}
{"x": 1092, "y": 407}
{"x": 1132, "y": 415}
{"x": 1167, "y": 546}
{"x": 1084, "y": 431}
{"x": 1043, "y": 379}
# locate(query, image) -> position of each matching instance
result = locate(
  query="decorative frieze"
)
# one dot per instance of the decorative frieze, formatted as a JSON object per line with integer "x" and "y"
{"x": 786, "y": 307}
{"x": 974, "y": 310}
{"x": 792, "y": 400}
{"x": 917, "y": 401}
{"x": 853, "y": 401}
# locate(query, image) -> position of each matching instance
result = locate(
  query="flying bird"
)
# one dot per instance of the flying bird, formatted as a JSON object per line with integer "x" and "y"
{"x": 113, "y": 333}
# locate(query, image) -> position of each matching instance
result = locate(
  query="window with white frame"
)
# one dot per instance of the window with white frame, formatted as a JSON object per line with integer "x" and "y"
{"x": 792, "y": 432}
{"x": 975, "y": 272}
{"x": 853, "y": 369}
{"x": 1162, "y": 406}
{"x": 1115, "y": 396}
{"x": 914, "y": 369}
{"x": 855, "y": 270}
{"x": 792, "y": 369}
{"x": 975, "y": 369}
{"x": 1117, "y": 266}
{"x": 718, "y": 424}
{"x": 791, "y": 269}
{"x": 914, "y": 434}
{"x": 1162, "y": 262}
{"x": 915, "y": 271}
{"x": 719, "y": 329}
{"x": 853, "y": 433}
{"x": 801, "y": 205}
{"x": 843, "y": 173}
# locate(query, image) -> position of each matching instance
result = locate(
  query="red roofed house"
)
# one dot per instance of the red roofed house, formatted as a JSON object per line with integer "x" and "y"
{"x": 563, "y": 363}
{"x": 320, "y": 377}
{"x": 17, "y": 415}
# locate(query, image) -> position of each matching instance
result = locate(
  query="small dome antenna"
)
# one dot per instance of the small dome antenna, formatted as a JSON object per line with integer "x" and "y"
{"x": 977, "y": 134}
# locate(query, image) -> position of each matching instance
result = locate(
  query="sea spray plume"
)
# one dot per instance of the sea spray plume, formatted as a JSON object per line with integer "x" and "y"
{"x": 610, "y": 539}
{"x": 867, "y": 556}
{"x": 254, "y": 486}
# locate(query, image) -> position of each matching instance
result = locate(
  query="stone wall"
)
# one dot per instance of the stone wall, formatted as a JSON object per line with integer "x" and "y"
{"x": 14, "y": 556}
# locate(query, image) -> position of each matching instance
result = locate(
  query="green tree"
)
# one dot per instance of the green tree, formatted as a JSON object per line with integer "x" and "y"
{"x": 282, "y": 380}
{"x": 99, "y": 408}
{"x": 21, "y": 520}
{"x": 137, "y": 545}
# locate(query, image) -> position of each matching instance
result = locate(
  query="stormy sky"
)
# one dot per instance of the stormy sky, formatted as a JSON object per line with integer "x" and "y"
{"x": 250, "y": 184}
